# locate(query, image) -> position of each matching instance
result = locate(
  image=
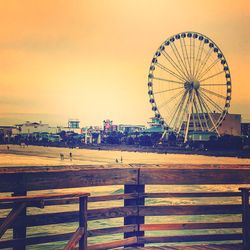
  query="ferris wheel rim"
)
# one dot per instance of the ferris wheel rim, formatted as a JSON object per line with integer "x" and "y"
{"x": 221, "y": 57}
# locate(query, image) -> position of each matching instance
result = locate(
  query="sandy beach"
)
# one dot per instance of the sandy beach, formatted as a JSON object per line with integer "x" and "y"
{"x": 37, "y": 155}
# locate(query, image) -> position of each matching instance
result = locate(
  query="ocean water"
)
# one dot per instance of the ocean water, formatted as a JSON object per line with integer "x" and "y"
{"x": 31, "y": 156}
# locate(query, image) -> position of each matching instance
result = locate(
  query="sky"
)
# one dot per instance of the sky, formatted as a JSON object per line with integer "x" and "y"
{"x": 89, "y": 60}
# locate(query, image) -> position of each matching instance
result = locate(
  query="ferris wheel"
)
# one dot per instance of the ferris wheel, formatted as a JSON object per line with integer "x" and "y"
{"x": 189, "y": 84}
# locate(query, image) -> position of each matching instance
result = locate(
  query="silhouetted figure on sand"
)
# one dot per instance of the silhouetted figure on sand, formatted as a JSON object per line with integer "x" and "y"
{"x": 70, "y": 156}
{"x": 62, "y": 156}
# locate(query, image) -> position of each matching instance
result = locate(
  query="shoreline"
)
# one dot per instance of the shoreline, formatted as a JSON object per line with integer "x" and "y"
{"x": 170, "y": 150}
{"x": 244, "y": 154}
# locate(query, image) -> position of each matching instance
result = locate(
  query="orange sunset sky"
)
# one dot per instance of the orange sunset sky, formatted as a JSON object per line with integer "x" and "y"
{"x": 89, "y": 60}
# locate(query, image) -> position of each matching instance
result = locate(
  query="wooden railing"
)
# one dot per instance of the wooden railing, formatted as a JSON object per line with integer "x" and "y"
{"x": 136, "y": 211}
{"x": 19, "y": 205}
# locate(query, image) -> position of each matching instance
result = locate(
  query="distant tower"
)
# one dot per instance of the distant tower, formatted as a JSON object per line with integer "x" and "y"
{"x": 74, "y": 123}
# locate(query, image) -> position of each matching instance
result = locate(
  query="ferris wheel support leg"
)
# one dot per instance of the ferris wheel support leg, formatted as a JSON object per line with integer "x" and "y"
{"x": 163, "y": 136}
{"x": 189, "y": 116}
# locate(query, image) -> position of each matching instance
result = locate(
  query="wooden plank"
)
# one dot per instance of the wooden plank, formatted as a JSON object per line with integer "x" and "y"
{"x": 105, "y": 213}
{"x": 191, "y": 166}
{"x": 74, "y": 239}
{"x": 189, "y": 238}
{"x": 114, "y": 244}
{"x": 93, "y": 214}
{"x": 69, "y": 179}
{"x": 116, "y": 176}
{"x": 167, "y": 176}
{"x": 112, "y": 197}
{"x": 188, "y": 226}
{"x": 112, "y": 230}
{"x": 189, "y": 210}
{"x": 34, "y": 240}
{"x": 191, "y": 195}
{"x": 29, "y": 198}
{"x": 75, "y": 200}
{"x": 127, "y": 196}
{"x": 58, "y": 168}
{"x": 193, "y": 247}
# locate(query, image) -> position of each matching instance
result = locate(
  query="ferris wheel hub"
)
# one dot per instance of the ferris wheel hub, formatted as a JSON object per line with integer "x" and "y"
{"x": 192, "y": 85}
{"x": 196, "y": 84}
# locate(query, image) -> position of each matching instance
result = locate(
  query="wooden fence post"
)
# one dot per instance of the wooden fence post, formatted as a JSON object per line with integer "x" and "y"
{"x": 19, "y": 230}
{"x": 245, "y": 218}
{"x": 83, "y": 219}
{"x": 135, "y": 189}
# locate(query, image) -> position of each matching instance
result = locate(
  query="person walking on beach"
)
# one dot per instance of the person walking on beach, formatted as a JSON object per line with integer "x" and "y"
{"x": 62, "y": 156}
{"x": 70, "y": 156}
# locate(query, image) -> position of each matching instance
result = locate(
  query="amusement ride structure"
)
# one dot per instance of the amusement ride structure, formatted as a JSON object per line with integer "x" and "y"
{"x": 189, "y": 84}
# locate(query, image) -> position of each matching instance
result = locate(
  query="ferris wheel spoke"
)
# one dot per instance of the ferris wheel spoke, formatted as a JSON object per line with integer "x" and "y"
{"x": 190, "y": 105}
{"x": 173, "y": 63}
{"x": 202, "y": 110}
{"x": 185, "y": 104}
{"x": 215, "y": 84}
{"x": 178, "y": 121}
{"x": 180, "y": 61}
{"x": 196, "y": 57}
{"x": 213, "y": 93}
{"x": 190, "y": 53}
{"x": 214, "y": 104}
{"x": 209, "y": 114}
{"x": 202, "y": 74}
{"x": 188, "y": 58}
{"x": 167, "y": 80}
{"x": 171, "y": 99}
{"x": 193, "y": 118}
{"x": 199, "y": 61}
{"x": 182, "y": 50}
{"x": 202, "y": 80}
{"x": 177, "y": 111}
{"x": 170, "y": 72}
{"x": 204, "y": 62}
{"x": 193, "y": 56}
{"x": 167, "y": 90}
{"x": 197, "y": 112}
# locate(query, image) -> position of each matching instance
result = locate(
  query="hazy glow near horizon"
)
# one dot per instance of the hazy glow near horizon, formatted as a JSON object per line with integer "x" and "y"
{"x": 89, "y": 59}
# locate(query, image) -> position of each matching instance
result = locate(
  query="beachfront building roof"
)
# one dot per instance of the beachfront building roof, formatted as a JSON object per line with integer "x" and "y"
{"x": 126, "y": 128}
{"x": 35, "y": 127}
{"x": 32, "y": 127}
{"x": 153, "y": 130}
{"x": 74, "y": 123}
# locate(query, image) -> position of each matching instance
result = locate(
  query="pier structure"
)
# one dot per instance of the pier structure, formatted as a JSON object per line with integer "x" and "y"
{"x": 208, "y": 229}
